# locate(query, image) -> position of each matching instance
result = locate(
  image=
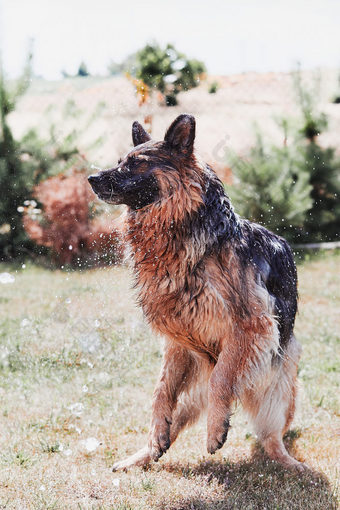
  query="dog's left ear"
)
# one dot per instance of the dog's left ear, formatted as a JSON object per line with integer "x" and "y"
{"x": 181, "y": 134}
{"x": 139, "y": 135}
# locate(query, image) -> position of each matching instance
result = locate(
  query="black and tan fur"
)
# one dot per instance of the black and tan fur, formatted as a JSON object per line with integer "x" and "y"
{"x": 220, "y": 289}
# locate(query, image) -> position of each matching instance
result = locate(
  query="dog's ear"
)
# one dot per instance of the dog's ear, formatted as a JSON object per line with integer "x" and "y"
{"x": 181, "y": 134}
{"x": 139, "y": 135}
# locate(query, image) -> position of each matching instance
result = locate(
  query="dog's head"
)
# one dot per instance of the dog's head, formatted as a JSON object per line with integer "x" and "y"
{"x": 152, "y": 170}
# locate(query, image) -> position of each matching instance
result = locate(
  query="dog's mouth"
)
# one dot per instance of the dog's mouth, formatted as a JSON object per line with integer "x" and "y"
{"x": 107, "y": 196}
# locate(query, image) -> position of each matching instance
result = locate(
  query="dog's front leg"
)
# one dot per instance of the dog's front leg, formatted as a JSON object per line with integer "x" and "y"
{"x": 176, "y": 373}
{"x": 220, "y": 397}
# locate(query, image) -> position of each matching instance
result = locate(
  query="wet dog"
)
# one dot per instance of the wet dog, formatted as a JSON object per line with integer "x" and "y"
{"x": 221, "y": 290}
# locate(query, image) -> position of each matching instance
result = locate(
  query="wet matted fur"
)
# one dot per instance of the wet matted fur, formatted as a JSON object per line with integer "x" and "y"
{"x": 221, "y": 290}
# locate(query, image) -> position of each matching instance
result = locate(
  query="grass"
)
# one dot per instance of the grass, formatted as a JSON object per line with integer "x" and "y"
{"x": 77, "y": 361}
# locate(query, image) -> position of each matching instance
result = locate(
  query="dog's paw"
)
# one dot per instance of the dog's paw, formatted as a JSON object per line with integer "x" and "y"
{"x": 142, "y": 459}
{"x": 159, "y": 441}
{"x": 217, "y": 437}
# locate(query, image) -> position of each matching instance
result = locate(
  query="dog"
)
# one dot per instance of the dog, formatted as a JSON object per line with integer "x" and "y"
{"x": 221, "y": 290}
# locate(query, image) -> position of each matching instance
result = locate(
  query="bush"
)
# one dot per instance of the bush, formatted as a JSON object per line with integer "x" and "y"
{"x": 167, "y": 70}
{"x": 66, "y": 222}
{"x": 323, "y": 219}
{"x": 292, "y": 190}
{"x": 323, "y": 166}
{"x": 273, "y": 188}
{"x": 213, "y": 87}
{"x": 15, "y": 176}
{"x": 82, "y": 70}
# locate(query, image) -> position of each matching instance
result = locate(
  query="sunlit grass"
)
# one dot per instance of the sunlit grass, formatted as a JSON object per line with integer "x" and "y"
{"x": 77, "y": 361}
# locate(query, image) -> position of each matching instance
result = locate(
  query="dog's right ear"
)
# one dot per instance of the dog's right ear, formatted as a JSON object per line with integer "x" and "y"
{"x": 181, "y": 134}
{"x": 139, "y": 135}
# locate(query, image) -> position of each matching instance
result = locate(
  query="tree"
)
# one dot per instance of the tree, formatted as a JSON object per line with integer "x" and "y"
{"x": 82, "y": 70}
{"x": 272, "y": 188}
{"x": 15, "y": 177}
{"x": 293, "y": 190}
{"x": 167, "y": 70}
{"x": 323, "y": 167}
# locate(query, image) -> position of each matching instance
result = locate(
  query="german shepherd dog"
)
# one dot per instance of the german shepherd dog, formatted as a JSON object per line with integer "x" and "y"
{"x": 221, "y": 290}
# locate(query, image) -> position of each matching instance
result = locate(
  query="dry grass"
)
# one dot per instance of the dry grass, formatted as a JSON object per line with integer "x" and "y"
{"x": 77, "y": 362}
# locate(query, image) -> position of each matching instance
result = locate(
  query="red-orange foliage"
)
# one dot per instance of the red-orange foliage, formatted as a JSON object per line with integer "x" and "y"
{"x": 66, "y": 225}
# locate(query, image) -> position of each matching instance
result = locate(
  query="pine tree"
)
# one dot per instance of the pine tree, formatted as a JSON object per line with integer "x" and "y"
{"x": 272, "y": 188}
{"x": 323, "y": 219}
{"x": 323, "y": 166}
{"x": 14, "y": 181}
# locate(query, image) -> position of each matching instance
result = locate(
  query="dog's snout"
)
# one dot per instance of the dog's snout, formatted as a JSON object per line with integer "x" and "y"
{"x": 93, "y": 178}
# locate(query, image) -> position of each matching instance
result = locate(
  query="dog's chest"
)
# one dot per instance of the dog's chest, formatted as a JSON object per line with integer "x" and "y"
{"x": 193, "y": 305}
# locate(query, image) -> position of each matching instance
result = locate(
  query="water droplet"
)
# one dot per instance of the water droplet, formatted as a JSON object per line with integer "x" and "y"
{"x": 116, "y": 482}
{"x": 6, "y": 278}
{"x": 90, "y": 444}
{"x": 76, "y": 409}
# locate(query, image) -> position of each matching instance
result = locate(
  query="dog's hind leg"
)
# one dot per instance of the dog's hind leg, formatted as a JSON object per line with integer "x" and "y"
{"x": 271, "y": 406}
{"x": 179, "y": 371}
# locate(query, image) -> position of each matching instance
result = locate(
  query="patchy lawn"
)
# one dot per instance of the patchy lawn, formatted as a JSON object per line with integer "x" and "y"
{"x": 77, "y": 369}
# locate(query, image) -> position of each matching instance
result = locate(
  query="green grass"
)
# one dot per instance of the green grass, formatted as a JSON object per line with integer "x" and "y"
{"x": 77, "y": 361}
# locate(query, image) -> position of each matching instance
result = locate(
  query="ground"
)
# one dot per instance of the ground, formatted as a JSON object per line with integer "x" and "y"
{"x": 77, "y": 369}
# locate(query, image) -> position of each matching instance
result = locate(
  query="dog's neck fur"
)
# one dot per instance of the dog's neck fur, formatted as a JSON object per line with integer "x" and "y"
{"x": 195, "y": 219}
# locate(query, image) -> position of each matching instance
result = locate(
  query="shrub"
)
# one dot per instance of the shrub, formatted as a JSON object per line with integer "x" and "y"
{"x": 82, "y": 70}
{"x": 313, "y": 122}
{"x": 213, "y": 87}
{"x": 323, "y": 166}
{"x": 293, "y": 190}
{"x": 15, "y": 177}
{"x": 66, "y": 222}
{"x": 167, "y": 70}
{"x": 272, "y": 188}
{"x": 322, "y": 221}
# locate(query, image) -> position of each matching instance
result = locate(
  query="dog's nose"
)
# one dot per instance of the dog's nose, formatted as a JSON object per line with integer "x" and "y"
{"x": 93, "y": 178}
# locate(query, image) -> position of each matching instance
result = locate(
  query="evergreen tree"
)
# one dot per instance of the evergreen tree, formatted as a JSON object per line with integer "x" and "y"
{"x": 323, "y": 166}
{"x": 82, "y": 70}
{"x": 15, "y": 183}
{"x": 272, "y": 188}
{"x": 323, "y": 218}
{"x": 293, "y": 190}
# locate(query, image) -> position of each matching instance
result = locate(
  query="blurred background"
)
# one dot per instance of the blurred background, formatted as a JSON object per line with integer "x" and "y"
{"x": 262, "y": 79}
